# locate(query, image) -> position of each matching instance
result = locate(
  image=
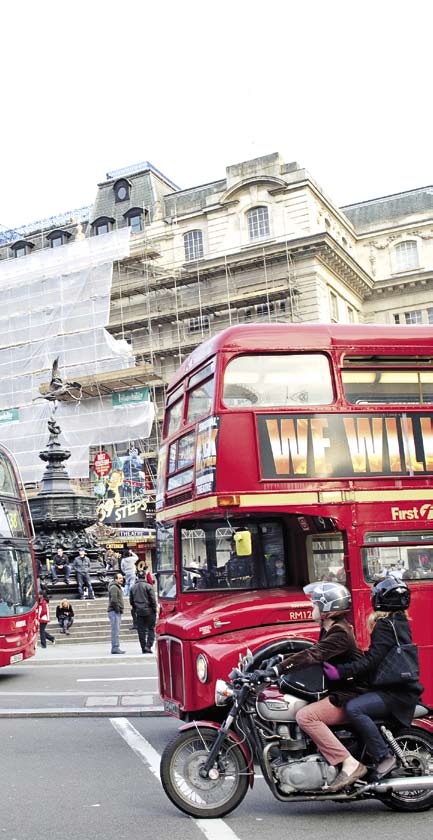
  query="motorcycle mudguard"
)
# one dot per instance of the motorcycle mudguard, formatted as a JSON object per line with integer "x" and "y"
{"x": 425, "y": 723}
{"x": 232, "y": 736}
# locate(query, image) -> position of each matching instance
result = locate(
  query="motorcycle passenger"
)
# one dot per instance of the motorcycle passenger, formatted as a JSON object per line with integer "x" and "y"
{"x": 331, "y": 602}
{"x": 390, "y": 600}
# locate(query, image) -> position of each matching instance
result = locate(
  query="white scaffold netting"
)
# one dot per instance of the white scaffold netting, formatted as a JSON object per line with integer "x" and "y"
{"x": 56, "y": 303}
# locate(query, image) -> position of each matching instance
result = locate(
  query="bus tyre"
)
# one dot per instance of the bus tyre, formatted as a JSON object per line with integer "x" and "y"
{"x": 417, "y": 746}
{"x": 191, "y": 793}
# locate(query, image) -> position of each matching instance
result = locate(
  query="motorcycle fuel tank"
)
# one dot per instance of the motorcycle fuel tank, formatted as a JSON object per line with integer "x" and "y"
{"x": 275, "y": 706}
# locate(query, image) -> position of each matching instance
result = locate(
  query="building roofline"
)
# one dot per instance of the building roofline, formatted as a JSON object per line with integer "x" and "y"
{"x": 385, "y": 197}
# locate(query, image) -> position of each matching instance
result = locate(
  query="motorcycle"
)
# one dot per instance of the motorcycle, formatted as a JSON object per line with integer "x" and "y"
{"x": 207, "y": 768}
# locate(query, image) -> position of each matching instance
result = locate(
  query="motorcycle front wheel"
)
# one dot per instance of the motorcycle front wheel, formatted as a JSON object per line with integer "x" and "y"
{"x": 417, "y": 747}
{"x": 188, "y": 790}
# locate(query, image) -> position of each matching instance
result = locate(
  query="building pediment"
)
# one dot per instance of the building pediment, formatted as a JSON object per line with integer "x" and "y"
{"x": 269, "y": 181}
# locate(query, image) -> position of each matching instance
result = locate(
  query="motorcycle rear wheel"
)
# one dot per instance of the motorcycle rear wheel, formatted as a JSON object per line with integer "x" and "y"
{"x": 417, "y": 746}
{"x": 197, "y": 796}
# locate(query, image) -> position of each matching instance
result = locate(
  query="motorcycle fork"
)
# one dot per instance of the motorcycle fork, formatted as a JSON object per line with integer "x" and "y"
{"x": 219, "y": 740}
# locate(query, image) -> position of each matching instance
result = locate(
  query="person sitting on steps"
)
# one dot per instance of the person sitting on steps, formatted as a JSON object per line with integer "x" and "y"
{"x": 65, "y": 616}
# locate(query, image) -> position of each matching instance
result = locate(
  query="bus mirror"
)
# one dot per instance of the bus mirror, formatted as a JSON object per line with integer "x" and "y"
{"x": 243, "y": 545}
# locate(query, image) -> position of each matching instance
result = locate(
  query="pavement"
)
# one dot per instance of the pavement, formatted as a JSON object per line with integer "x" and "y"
{"x": 116, "y": 698}
{"x": 98, "y": 652}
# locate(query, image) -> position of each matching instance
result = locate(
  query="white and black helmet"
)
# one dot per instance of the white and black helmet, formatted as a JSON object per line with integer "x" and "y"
{"x": 330, "y": 597}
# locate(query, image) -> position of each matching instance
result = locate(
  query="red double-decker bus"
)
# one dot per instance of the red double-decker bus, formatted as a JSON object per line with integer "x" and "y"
{"x": 18, "y": 602}
{"x": 290, "y": 454}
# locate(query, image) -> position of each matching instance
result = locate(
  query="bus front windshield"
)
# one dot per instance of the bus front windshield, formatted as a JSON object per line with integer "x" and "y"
{"x": 17, "y": 584}
{"x": 210, "y": 559}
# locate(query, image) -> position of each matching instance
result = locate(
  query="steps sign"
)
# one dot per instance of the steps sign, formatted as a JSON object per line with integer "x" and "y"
{"x": 102, "y": 463}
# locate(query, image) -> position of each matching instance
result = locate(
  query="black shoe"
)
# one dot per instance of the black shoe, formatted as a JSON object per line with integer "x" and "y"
{"x": 132, "y": 628}
{"x": 385, "y": 766}
{"x": 147, "y": 650}
{"x": 118, "y": 651}
{"x": 53, "y": 641}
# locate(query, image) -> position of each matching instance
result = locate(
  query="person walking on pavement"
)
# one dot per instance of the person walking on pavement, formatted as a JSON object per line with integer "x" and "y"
{"x": 81, "y": 566}
{"x": 127, "y": 565}
{"x": 115, "y": 610}
{"x": 60, "y": 565}
{"x": 65, "y": 616}
{"x": 143, "y": 601}
{"x": 44, "y": 618}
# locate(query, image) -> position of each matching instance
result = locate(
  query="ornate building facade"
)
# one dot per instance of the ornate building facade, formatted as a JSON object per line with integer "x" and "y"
{"x": 264, "y": 243}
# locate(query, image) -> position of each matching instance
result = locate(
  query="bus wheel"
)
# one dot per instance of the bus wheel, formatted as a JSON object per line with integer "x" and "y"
{"x": 417, "y": 746}
{"x": 180, "y": 775}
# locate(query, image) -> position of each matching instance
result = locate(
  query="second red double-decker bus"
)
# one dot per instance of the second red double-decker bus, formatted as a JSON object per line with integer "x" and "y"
{"x": 291, "y": 453}
{"x": 18, "y": 602}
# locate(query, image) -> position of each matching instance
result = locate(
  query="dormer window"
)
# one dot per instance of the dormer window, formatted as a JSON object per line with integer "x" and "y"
{"x": 136, "y": 219}
{"x": 103, "y": 224}
{"x": 122, "y": 189}
{"x": 21, "y": 248}
{"x": 58, "y": 237}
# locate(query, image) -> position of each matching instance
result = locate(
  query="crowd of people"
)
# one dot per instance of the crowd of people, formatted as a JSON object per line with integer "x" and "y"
{"x": 131, "y": 579}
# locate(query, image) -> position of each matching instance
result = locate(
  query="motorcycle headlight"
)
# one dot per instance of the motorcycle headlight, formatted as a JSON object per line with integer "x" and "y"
{"x": 201, "y": 667}
{"x": 223, "y": 692}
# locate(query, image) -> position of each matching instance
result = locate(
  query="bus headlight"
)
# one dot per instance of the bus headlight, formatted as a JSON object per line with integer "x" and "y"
{"x": 223, "y": 692}
{"x": 201, "y": 667}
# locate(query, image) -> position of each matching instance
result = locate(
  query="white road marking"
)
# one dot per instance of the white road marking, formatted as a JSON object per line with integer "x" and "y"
{"x": 212, "y": 829}
{"x": 114, "y": 679}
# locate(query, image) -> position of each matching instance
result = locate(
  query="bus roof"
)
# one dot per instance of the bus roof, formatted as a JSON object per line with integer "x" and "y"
{"x": 244, "y": 338}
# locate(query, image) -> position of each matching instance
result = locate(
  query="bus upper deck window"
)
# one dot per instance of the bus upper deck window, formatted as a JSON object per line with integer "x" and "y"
{"x": 173, "y": 411}
{"x": 388, "y": 386}
{"x": 200, "y": 392}
{"x": 278, "y": 380}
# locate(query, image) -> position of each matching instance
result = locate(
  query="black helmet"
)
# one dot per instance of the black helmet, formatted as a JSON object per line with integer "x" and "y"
{"x": 390, "y": 594}
{"x": 329, "y": 596}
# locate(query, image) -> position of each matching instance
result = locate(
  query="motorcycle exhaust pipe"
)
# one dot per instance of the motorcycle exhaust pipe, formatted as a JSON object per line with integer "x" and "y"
{"x": 401, "y": 784}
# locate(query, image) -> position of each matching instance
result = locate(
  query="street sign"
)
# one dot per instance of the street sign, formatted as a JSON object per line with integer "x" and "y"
{"x": 129, "y": 397}
{"x": 102, "y": 463}
{"x": 9, "y": 414}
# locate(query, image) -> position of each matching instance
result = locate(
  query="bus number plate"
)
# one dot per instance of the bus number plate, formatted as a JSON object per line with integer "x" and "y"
{"x": 17, "y": 657}
{"x": 171, "y": 707}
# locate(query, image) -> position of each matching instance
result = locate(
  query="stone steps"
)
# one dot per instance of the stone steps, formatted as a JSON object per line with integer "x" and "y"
{"x": 91, "y": 623}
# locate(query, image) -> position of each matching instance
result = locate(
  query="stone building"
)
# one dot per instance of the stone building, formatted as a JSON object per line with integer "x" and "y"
{"x": 264, "y": 243}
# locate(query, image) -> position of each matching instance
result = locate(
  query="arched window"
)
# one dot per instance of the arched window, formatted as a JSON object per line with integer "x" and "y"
{"x": 193, "y": 244}
{"x": 406, "y": 256}
{"x": 122, "y": 189}
{"x": 258, "y": 222}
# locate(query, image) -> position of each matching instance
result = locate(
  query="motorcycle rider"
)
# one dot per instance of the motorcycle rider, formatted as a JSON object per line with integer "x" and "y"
{"x": 331, "y": 602}
{"x": 390, "y": 600}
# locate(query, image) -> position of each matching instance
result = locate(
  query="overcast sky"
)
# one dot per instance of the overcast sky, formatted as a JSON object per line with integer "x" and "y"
{"x": 344, "y": 88}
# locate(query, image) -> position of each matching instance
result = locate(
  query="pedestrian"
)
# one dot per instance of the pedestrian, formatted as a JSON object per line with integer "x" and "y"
{"x": 81, "y": 566}
{"x": 60, "y": 565}
{"x": 111, "y": 560}
{"x": 65, "y": 616}
{"x": 44, "y": 619}
{"x": 127, "y": 565}
{"x": 115, "y": 610}
{"x": 142, "y": 599}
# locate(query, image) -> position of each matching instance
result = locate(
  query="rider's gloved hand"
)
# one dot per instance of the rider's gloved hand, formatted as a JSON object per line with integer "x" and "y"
{"x": 330, "y": 671}
{"x": 260, "y": 676}
{"x": 274, "y": 660}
